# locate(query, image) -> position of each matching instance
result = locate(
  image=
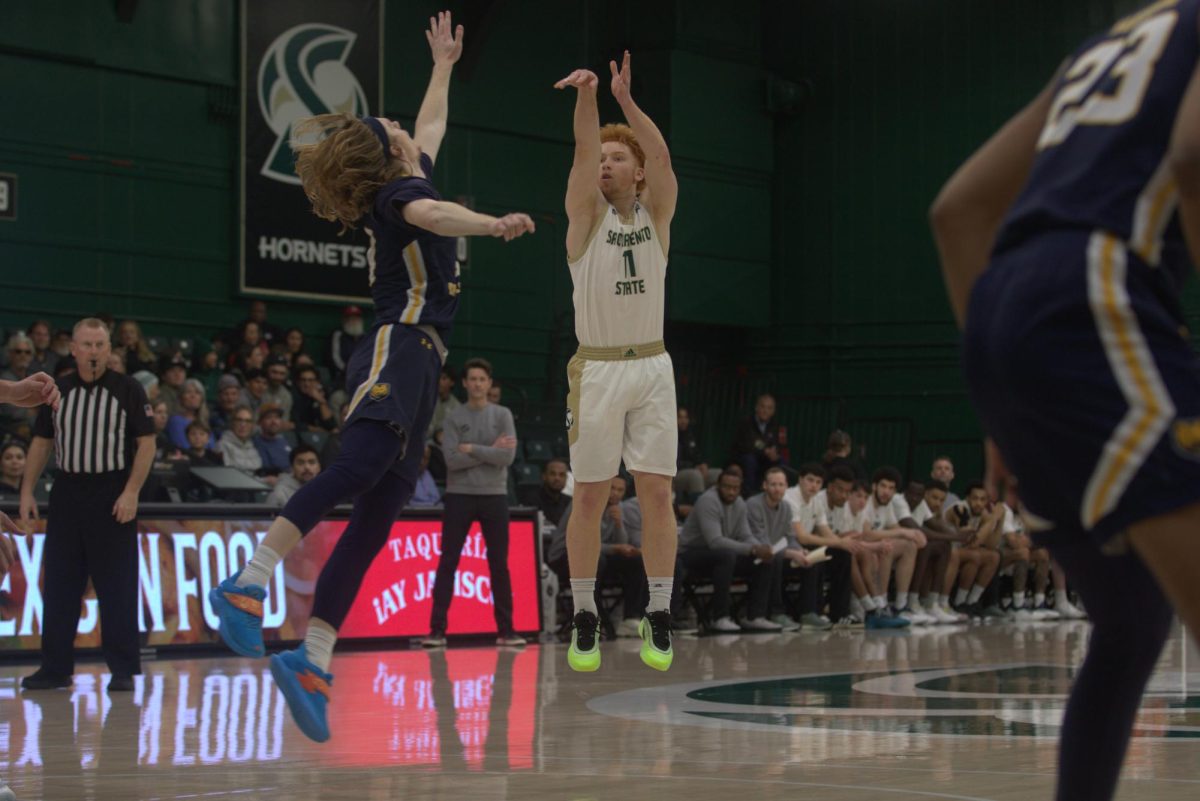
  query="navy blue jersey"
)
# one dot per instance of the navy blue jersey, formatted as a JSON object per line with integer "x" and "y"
{"x": 414, "y": 274}
{"x": 1102, "y": 154}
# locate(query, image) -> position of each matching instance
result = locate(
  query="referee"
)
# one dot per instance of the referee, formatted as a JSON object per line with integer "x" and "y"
{"x": 103, "y": 437}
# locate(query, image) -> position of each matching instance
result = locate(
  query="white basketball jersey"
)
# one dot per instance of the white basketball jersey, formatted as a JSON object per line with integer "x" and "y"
{"x": 620, "y": 283}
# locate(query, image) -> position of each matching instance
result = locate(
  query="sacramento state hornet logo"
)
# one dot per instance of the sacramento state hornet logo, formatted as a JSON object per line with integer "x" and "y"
{"x": 992, "y": 701}
{"x": 303, "y": 74}
{"x": 570, "y": 418}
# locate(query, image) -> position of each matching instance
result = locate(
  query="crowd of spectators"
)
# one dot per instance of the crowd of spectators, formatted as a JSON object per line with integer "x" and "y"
{"x": 763, "y": 545}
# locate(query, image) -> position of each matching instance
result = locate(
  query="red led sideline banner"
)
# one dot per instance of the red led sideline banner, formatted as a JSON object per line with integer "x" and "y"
{"x": 180, "y": 560}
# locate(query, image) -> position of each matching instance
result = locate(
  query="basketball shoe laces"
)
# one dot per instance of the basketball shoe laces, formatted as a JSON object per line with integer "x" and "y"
{"x": 586, "y": 625}
{"x": 660, "y": 629}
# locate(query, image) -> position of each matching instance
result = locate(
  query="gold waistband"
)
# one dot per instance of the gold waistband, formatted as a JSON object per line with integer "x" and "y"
{"x": 622, "y": 352}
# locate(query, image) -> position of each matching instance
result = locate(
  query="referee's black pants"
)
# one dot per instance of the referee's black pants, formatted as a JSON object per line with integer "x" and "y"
{"x": 84, "y": 539}
{"x": 492, "y": 513}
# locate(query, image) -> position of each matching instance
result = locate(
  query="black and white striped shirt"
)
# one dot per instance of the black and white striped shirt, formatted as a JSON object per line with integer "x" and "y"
{"x": 96, "y": 427}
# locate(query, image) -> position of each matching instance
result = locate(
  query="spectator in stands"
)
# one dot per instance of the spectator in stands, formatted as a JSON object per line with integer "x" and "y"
{"x": 192, "y": 407}
{"x": 759, "y": 443}
{"x": 943, "y": 471}
{"x": 173, "y": 374}
{"x": 310, "y": 410}
{"x": 268, "y": 331}
{"x": 914, "y": 493}
{"x": 149, "y": 382}
{"x": 293, "y": 347}
{"x": 133, "y": 349}
{"x": 839, "y": 450}
{"x": 237, "y": 444}
{"x": 60, "y": 343}
{"x": 716, "y": 541}
{"x": 975, "y": 562}
{"x": 343, "y": 341}
{"x": 116, "y": 363}
{"x": 305, "y": 467}
{"x": 165, "y": 449}
{"x": 446, "y": 400}
{"x": 17, "y": 421}
{"x": 550, "y": 499}
{"x": 208, "y": 370}
{"x": 800, "y": 497}
{"x": 255, "y": 359}
{"x": 44, "y": 357}
{"x": 255, "y": 392}
{"x": 934, "y": 558}
{"x": 272, "y": 447}
{"x": 249, "y": 339}
{"x": 691, "y": 477}
{"x": 620, "y": 560}
{"x": 229, "y": 396}
{"x": 495, "y": 393}
{"x": 770, "y": 519}
{"x": 426, "y": 493}
{"x": 199, "y": 451}
{"x": 278, "y": 392}
{"x": 12, "y": 469}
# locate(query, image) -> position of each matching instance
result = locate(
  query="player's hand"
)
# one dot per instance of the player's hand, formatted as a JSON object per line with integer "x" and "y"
{"x": 29, "y": 513}
{"x": 614, "y": 512}
{"x": 34, "y": 390}
{"x": 464, "y": 447}
{"x": 125, "y": 509}
{"x": 510, "y": 226}
{"x": 627, "y": 550}
{"x": 798, "y": 557}
{"x": 621, "y": 79}
{"x": 445, "y": 42}
{"x": 762, "y": 552}
{"x": 506, "y": 441}
{"x": 580, "y": 79}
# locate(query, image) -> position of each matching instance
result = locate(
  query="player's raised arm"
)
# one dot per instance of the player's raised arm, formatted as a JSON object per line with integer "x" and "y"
{"x": 445, "y": 44}
{"x": 967, "y": 213}
{"x": 584, "y": 203}
{"x": 662, "y": 190}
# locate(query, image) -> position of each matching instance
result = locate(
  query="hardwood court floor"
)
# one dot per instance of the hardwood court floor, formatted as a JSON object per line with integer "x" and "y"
{"x": 944, "y": 713}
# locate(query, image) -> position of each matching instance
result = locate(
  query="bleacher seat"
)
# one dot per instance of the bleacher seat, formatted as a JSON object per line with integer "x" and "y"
{"x": 527, "y": 475}
{"x": 316, "y": 439}
{"x": 538, "y": 450}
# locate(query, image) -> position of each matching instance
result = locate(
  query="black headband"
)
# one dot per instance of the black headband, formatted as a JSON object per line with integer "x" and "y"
{"x": 380, "y": 133}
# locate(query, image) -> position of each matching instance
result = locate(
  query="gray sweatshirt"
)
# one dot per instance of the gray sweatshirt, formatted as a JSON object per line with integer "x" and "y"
{"x": 631, "y": 514}
{"x": 767, "y": 525}
{"x": 483, "y": 471}
{"x": 714, "y": 525}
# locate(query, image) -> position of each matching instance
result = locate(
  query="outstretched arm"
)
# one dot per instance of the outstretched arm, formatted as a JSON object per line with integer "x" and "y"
{"x": 662, "y": 190}
{"x": 446, "y": 48}
{"x": 445, "y": 218}
{"x": 584, "y": 202}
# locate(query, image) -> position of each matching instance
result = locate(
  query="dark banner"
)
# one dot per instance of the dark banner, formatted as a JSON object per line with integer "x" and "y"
{"x": 301, "y": 58}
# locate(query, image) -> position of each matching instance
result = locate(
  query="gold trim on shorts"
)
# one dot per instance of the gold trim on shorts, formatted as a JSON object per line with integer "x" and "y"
{"x": 622, "y": 352}
{"x": 574, "y": 379}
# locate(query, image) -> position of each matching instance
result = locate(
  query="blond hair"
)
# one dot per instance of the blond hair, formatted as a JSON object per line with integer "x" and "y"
{"x": 619, "y": 132}
{"x": 344, "y": 168}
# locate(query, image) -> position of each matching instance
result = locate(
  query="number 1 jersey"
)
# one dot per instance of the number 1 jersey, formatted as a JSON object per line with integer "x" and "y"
{"x": 620, "y": 283}
{"x": 1102, "y": 153}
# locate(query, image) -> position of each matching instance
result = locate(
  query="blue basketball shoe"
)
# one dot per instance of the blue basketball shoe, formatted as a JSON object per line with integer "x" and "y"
{"x": 241, "y": 612}
{"x": 306, "y": 688}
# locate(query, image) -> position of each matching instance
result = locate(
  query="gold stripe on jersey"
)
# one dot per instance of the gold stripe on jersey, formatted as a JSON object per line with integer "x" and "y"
{"x": 1153, "y": 212}
{"x": 383, "y": 339}
{"x": 418, "y": 278}
{"x": 1150, "y": 409}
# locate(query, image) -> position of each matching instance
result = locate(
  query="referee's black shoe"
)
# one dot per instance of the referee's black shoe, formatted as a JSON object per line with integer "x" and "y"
{"x": 120, "y": 684}
{"x": 43, "y": 679}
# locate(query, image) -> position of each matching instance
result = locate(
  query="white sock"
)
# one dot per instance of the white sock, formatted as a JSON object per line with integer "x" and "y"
{"x": 1018, "y": 601}
{"x": 261, "y": 566}
{"x": 1039, "y": 600}
{"x": 868, "y": 603}
{"x": 976, "y": 593}
{"x": 943, "y": 601}
{"x": 318, "y": 646}
{"x": 856, "y": 607}
{"x": 584, "y": 593}
{"x": 881, "y": 601}
{"x": 660, "y": 593}
{"x": 913, "y": 600}
{"x": 960, "y": 597}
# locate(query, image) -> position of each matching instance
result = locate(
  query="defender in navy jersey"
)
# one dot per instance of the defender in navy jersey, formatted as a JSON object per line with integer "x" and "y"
{"x": 369, "y": 172}
{"x": 1064, "y": 242}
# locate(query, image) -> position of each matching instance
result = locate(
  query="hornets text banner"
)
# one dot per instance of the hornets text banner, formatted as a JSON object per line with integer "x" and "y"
{"x": 301, "y": 58}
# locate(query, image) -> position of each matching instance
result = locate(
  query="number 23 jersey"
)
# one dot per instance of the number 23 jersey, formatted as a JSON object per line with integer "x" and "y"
{"x": 1102, "y": 152}
{"x": 620, "y": 283}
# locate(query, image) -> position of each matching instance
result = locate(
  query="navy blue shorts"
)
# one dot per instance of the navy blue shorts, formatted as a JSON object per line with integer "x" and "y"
{"x": 393, "y": 377}
{"x": 1087, "y": 383}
